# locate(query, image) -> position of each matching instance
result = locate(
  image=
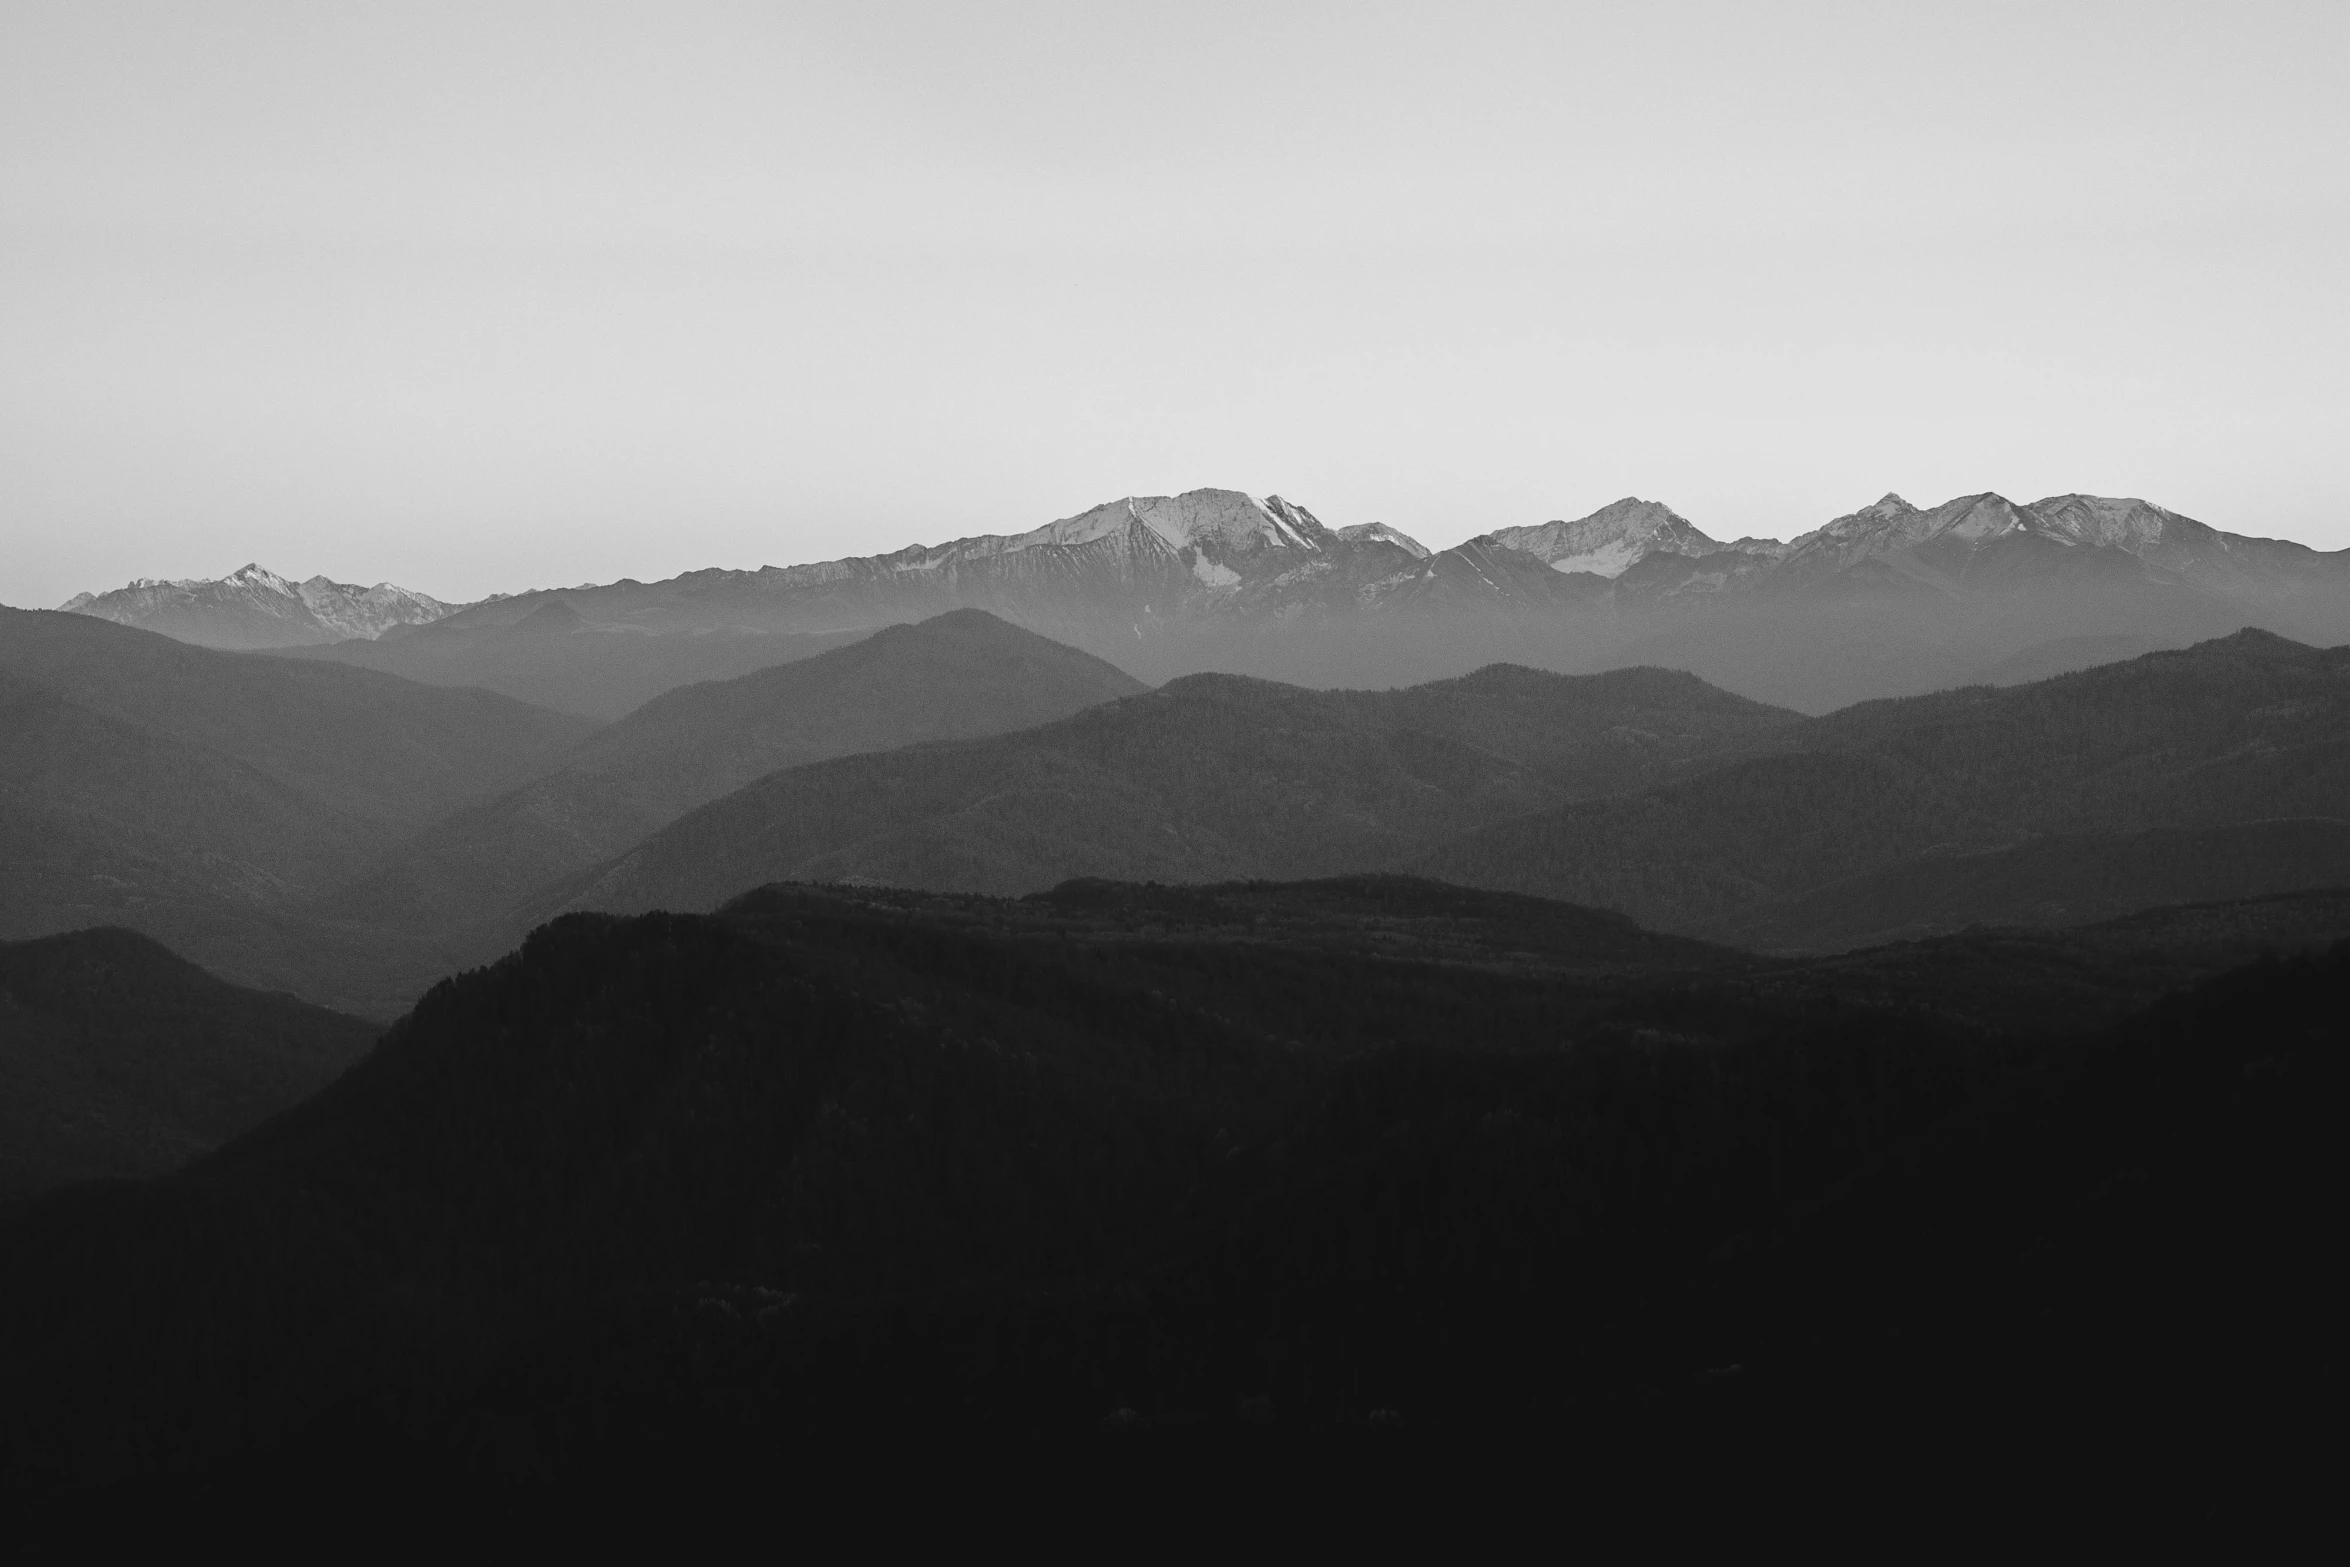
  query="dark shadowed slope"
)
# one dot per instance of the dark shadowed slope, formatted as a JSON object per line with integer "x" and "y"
{"x": 834, "y": 1165}
{"x": 2063, "y": 655}
{"x": 959, "y": 675}
{"x": 2242, "y": 729}
{"x": 1211, "y": 777}
{"x": 119, "y": 1059}
{"x": 2062, "y": 879}
{"x": 543, "y": 650}
{"x": 199, "y": 796}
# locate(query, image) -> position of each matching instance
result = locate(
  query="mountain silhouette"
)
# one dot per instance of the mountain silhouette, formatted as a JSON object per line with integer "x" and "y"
{"x": 543, "y": 650}
{"x": 1210, "y": 777}
{"x": 2060, "y": 879}
{"x": 200, "y": 797}
{"x": 673, "y": 1194}
{"x": 958, "y": 675}
{"x": 2238, "y": 730}
{"x": 119, "y": 1059}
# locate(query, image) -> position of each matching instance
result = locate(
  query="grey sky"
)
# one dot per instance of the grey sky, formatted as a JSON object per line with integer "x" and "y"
{"x": 489, "y": 296}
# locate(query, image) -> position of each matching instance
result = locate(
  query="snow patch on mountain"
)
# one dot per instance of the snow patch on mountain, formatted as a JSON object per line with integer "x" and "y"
{"x": 255, "y": 607}
{"x": 1381, "y": 533}
{"x": 2125, "y": 522}
{"x": 1610, "y": 541}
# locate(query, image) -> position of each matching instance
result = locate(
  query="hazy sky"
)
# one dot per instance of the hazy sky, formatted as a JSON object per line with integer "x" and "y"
{"x": 491, "y": 296}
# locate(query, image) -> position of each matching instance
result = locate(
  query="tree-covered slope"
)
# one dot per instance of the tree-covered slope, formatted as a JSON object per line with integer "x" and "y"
{"x": 678, "y": 1194}
{"x": 2245, "y": 728}
{"x": 119, "y": 1059}
{"x": 959, "y": 675}
{"x": 209, "y": 798}
{"x": 1210, "y": 777}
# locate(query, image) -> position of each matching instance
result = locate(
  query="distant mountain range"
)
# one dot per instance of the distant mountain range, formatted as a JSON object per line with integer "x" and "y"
{"x": 255, "y": 608}
{"x": 1888, "y": 600}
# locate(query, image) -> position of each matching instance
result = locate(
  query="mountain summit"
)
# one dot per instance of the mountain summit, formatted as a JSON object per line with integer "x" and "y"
{"x": 1611, "y": 540}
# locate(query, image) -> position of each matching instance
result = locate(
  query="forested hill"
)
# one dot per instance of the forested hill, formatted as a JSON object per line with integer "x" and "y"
{"x": 1209, "y": 777}
{"x": 202, "y": 797}
{"x": 956, "y": 676}
{"x": 673, "y": 1195}
{"x": 2244, "y": 729}
{"x": 119, "y": 1059}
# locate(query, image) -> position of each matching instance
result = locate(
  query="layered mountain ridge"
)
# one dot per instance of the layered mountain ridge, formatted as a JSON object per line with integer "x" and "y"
{"x": 1888, "y": 600}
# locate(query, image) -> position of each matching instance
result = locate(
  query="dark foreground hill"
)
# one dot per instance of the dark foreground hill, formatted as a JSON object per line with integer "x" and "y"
{"x": 119, "y": 1059}
{"x": 956, "y": 676}
{"x": 1210, "y": 777}
{"x": 1887, "y": 800}
{"x": 901, "y": 1175}
{"x": 2063, "y": 879}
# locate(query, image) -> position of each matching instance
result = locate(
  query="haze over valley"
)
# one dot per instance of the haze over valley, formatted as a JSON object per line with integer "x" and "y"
{"x": 657, "y": 855}
{"x": 1888, "y": 600}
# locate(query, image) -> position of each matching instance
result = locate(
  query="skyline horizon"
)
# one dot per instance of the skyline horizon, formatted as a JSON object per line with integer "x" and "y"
{"x": 1435, "y": 545}
{"x": 437, "y": 293}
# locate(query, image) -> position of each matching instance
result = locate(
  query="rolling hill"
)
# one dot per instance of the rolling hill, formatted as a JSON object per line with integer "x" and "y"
{"x": 119, "y": 1059}
{"x": 2237, "y": 730}
{"x": 1209, "y": 778}
{"x": 959, "y": 675}
{"x": 542, "y": 650}
{"x": 201, "y": 797}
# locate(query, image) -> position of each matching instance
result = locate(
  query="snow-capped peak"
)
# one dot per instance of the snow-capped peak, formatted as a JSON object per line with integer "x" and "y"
{"x": 255, "y": 607}
{"x": 1609, "y": 541}
{"x": 2127, "y": 522}
{"x": 1229, "y": 520}
{"x": 1381, "y": 533}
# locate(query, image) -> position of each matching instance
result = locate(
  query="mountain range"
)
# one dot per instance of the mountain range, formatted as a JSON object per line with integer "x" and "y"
{"x": 2218, "y": 771}
{"x": 1208, "y": 777}
{"x": 961, "y": 675}
{"x": 351, "y": 836}
{"x": 1891, "y": 599}
{"x": 2242, "y": 730}
{"x": 937, "y": 1033}
{"x": 252, "y": 607}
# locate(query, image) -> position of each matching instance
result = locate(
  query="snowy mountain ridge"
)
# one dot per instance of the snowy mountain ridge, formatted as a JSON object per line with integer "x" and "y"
{"x": 254, "y": 607}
